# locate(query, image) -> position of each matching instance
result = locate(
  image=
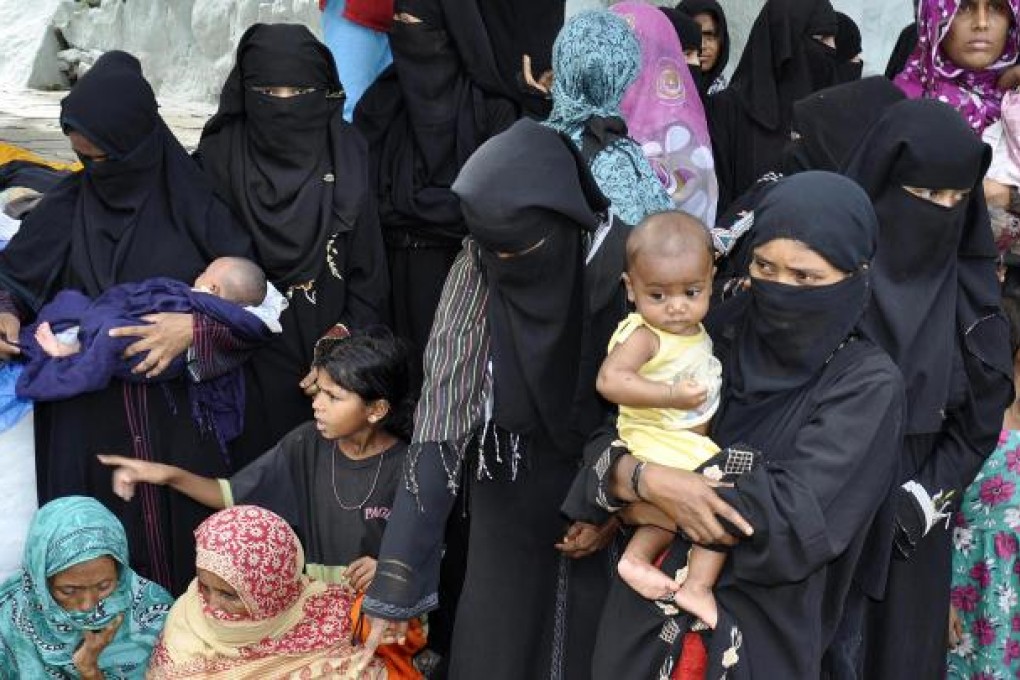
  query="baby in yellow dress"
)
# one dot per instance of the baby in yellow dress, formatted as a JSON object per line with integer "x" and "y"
{"x": 661, "y": 372}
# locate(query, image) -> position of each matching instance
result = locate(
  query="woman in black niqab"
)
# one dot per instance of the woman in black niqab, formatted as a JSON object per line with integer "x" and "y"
{"x": 784, "y": 60}
{"x": 146, "y": 210}
{"x": 822, "y": 405}
{"x": 532, "y": 209}
{"x": 297, "y": 176}
{"x": 936, "y": 311}
{"x": 422, "y": 118}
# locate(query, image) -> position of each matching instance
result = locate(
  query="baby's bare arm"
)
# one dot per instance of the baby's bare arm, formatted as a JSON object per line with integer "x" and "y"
{"x": 620, "y": 382}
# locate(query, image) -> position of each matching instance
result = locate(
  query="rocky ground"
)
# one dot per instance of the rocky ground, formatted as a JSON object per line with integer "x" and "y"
{"x": 30, "y": 119}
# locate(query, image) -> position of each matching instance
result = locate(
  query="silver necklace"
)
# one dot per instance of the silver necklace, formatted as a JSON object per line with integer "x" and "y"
{"x": 371, "y": 491}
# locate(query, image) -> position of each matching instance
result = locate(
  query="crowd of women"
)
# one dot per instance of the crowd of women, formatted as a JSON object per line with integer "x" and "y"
{"x": 429, "y": 479}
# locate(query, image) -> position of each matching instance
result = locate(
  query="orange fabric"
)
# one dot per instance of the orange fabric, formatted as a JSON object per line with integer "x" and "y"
{"x": 693, "y": 659}
{"x": 398, "y": 658}
{"x": 10, "y": 152}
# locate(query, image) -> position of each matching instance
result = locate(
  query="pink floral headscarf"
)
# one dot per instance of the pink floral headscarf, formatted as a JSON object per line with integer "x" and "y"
{"x": 665, "y": 116}
{"x": 930, "y": 74}
{"x": 257, "y": 553}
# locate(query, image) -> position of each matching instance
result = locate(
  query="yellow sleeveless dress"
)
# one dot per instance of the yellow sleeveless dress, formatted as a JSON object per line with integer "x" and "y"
{"x": 663, "y": 435}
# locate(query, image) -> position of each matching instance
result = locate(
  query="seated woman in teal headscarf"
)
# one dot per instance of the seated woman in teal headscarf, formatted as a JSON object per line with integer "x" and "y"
{"x": 75, "y": 609}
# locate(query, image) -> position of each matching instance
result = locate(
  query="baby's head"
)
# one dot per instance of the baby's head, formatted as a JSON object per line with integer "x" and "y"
{"x": 670, "y": 264}
{"x": 236, "y": 279}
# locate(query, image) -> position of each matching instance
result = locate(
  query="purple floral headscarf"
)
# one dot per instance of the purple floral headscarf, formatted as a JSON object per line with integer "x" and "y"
{"x": 930, "y": 74}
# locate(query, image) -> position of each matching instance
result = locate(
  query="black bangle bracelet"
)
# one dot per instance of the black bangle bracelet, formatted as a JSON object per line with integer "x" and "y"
{"x": 635, "y": 480}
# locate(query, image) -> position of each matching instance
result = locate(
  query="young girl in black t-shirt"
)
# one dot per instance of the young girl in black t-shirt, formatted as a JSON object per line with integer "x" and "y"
{"x": 334, "y": 478}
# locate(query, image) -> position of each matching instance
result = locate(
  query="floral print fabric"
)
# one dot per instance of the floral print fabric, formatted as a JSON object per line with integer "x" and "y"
{"x": 929, "y": 74}
{"x": 596, "y": 57}
{"x": 986, "y": 569}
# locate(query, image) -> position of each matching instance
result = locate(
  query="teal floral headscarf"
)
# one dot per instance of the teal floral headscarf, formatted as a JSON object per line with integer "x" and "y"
{"x": 596, "y": 57}
{"x": 38, "y": 637}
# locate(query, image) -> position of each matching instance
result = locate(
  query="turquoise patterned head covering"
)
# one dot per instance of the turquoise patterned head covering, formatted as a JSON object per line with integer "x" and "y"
{"x": 596, "y": 57}
{"x": 38, "y": 637}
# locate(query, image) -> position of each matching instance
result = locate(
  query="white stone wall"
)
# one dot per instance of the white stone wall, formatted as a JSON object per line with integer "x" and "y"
{"x": 187, "y": 46}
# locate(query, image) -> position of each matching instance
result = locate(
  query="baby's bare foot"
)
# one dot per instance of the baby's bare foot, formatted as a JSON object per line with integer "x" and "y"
{"x": 50, "y": 344}
{"x": 698, "y": 600}
{"x": 646, "y": 580}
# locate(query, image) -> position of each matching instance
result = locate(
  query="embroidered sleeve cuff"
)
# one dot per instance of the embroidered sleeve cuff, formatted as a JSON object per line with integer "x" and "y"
{"x": 933, "y": 509}
{"x": 390, "y": 612}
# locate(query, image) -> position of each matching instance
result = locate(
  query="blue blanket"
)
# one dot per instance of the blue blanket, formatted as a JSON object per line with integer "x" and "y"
{"x": 219, "y": 401}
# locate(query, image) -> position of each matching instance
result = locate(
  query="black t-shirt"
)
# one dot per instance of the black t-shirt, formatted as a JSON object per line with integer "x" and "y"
{"x": 309, "y": 482}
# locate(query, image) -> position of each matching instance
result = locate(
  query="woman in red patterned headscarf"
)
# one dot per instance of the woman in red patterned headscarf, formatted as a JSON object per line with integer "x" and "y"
{"x": 250, "y": 613}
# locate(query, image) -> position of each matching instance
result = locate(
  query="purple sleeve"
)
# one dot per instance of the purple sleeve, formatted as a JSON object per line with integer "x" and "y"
{"x": 215, "y": 351}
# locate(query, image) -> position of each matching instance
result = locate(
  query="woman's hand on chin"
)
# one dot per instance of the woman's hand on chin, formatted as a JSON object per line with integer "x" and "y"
{"x": 691, "y": 501}
{"x": 166, "y": 337}
{"x": 86, "y": 658}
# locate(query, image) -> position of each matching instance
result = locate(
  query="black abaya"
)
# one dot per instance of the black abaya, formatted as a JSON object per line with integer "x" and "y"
{"x": 750, "y": 120}
{"x": 145, "y": 211}
{"x": 823, "y": 407}
{"x": 545, "y": 320}
{"x": 423, "y": 118}
{"x": 936, "y": 311}
{"x": 297, "y": 176}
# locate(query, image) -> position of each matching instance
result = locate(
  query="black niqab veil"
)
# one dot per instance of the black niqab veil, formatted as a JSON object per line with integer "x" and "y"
{"x": 848, "y": 47}
{"x": 284, "y": 163}
{"x": 423, "y": 118}
{"x": 694, "y": 7}
{"x": 527, "y": 194}
{"x": 782, "y": 62}
{"x": 750, "y": 121}
{"x": 791, "y": 331}
{"x": 934, "y": 271}
{"x": 145, "y": 211}
{"x": 687, "y": 29}
{"x": 831, "y": 122}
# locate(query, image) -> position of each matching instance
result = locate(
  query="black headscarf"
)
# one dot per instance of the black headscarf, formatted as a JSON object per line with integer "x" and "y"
{"x": 694, "y": 7}
{"x": 493, "y": 36}
{"x": 848, "y": 46}
{"x": 790, "y": 332}
{"x": 687, "y": 29}
{"x": 905, "y": 45}
{"x": 423, "y": 118}
{"x": 528, "y": 192}
{"x": 290, "y": 167}
{"x": 145, "y": 211}
{"x": 935, "y": 268}
{"x": 829, "y": 124}
{"x": 782, "y": 63}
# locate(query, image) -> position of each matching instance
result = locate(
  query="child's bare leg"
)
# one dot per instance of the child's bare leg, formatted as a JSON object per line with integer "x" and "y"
{"x": 636, "y": 568}
{"x": 51, "y": 345}
{"x": 695, "y": 594}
